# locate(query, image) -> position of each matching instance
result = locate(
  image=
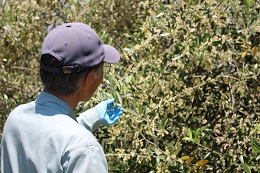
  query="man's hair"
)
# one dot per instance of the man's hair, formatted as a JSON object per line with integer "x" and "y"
{"x": 60, "y": 83}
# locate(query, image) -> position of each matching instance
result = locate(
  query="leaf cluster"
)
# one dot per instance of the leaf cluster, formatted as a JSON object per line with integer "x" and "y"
{"x": 188, "y": 79}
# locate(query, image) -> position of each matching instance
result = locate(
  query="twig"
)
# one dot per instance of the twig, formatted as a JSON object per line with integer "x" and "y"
{"x": 22, "y": 68}
{"x": 249, "y": 136}
{"x": 160, "y": 149}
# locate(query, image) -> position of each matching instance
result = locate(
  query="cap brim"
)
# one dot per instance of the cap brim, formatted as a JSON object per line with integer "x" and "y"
{"x": 112, "y": 56}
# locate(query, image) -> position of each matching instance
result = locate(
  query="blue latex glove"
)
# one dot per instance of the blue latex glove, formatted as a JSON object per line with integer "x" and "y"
{"x": 108, "y": 113}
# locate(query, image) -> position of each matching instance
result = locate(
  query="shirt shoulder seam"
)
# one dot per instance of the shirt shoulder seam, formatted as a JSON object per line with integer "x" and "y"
{"x": 80, "y": 147}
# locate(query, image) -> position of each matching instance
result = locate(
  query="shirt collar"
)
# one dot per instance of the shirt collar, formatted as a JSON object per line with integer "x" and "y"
{"x": 49, "y": 105}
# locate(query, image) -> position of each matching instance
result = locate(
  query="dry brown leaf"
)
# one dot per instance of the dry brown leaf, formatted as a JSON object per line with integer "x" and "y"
{"x": 202, "y": 162}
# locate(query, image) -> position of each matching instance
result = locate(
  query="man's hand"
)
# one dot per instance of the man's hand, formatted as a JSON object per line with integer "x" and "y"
{"x": 108, "y": 113}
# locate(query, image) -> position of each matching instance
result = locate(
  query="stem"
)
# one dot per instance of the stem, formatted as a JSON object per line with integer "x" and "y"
{"x": 165, "y": 153}
{"x": 246, "y": 140}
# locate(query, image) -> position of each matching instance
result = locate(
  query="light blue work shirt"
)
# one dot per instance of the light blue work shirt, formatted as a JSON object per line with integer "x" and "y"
{"x": 45, "y": 136}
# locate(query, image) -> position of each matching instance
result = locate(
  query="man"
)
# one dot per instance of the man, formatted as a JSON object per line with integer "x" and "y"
{"x": 45, "y": 136}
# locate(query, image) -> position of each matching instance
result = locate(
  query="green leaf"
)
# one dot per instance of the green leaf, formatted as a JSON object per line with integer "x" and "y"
{"x": 250, "y": 3}
{"x": 158, "y": 159}
{"x": 188, "y": 139}
{"x": 196, "y": 133}
{"x": 257, "y": 127}
{"x": 155, "y": 140}
{"x": 170, "y": 148}
{"x": 176, "y": 152}
{"x": 165, "y": 123}
{"x": 190, "y": 133}
{"x": 185, "y": 138}
{"x": 119, "y": 98}
{"x": 183, "y": 158}
{"x": 257, "y": 158}
{"x": 241, "y": 159}
{"x": 246, "y": 168}
{"x": 255, "y": 145}
{"x": 207, "y": 155}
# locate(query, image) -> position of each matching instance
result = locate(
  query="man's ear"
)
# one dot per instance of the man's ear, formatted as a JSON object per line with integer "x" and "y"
{"x": 97, "y": 73}
{"x": 88, "y": 78}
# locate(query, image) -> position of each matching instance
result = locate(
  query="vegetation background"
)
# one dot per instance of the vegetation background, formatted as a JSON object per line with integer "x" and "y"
{"x": 188, "y": 79}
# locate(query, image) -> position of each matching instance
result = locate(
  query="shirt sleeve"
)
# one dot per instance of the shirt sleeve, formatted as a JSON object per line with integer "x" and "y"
{"x": 90, "y": 120}
{"x": 85, "y": 159}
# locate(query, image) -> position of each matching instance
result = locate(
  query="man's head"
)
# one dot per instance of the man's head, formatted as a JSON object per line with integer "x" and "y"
{"x": 70, "y": 53}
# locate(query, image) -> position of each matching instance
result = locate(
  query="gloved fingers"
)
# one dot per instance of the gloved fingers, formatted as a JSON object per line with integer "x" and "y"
{"x": 114, "y": 116}
{"x": 109, "y": 101}
{"x": 108, "y": 120}
{"x": 118, "y": 111}
{"x": 115, "y": 113}
{"x": 111, "y": 108}
{"x": 114, "y": 120}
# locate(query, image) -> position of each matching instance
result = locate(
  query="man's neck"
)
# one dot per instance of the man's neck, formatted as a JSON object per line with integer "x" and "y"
{"x": 70, "y": 99}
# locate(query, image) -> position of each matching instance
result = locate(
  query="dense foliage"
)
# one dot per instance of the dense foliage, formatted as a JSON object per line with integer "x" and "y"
{"x": 188, "y": 79}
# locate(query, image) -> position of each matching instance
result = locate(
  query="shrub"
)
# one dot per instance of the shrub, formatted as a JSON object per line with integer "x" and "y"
{"x": 188, "y": 79}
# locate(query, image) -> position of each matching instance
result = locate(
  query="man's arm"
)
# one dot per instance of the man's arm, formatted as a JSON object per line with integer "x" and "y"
{"x": 90, "y": 119}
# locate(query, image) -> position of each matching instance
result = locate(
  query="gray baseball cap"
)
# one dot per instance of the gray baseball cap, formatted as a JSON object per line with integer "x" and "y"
{"x": 77, "y": 47}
